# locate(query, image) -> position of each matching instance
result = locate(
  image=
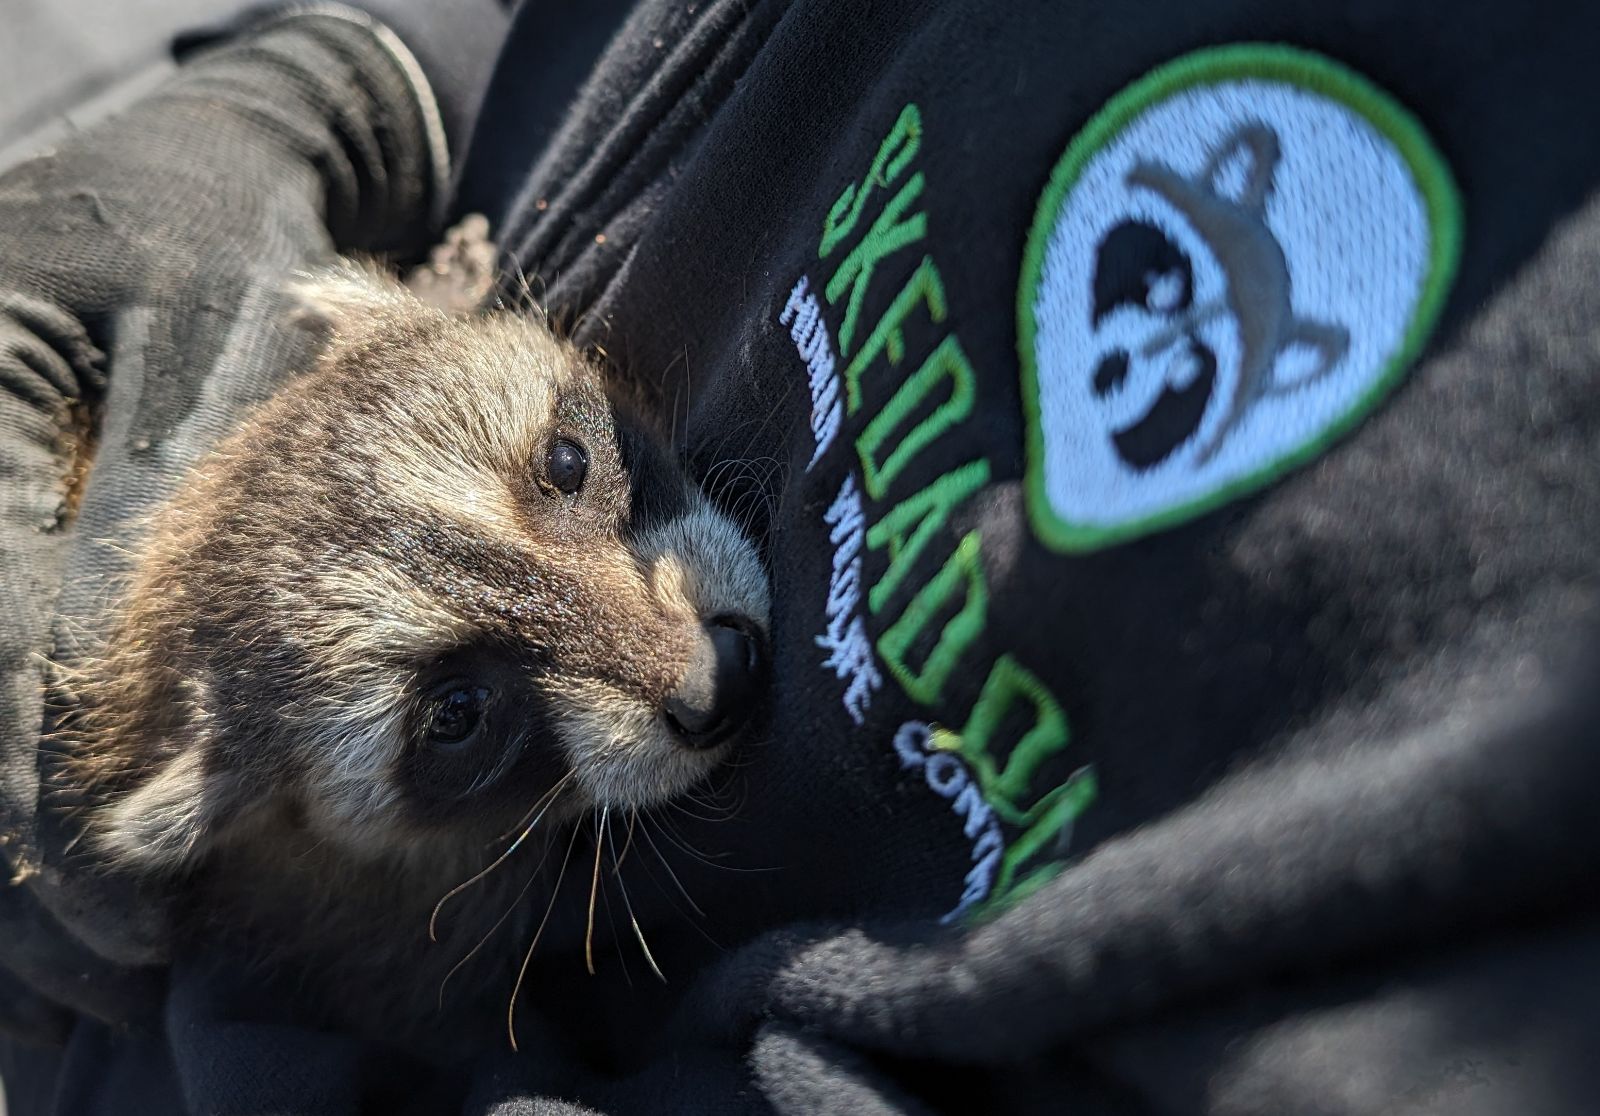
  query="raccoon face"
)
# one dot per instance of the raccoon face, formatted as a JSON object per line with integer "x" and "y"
{"x": 438, "y": 580}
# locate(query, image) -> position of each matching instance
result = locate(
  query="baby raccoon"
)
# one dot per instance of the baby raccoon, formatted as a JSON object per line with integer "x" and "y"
{"x": 439, "y": 590}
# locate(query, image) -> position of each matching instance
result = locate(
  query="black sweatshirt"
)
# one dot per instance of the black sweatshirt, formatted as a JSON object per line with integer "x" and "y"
{"x": 1172, "y": 434}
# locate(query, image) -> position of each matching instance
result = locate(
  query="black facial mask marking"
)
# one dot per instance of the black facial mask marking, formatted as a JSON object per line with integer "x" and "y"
{"x": 1173, "y": 418}
{"x": 1130, "y": 259}
{"x": 1139, "y": 266}
{"x": 515, "y": 734}
{"x": 658, "y": 490}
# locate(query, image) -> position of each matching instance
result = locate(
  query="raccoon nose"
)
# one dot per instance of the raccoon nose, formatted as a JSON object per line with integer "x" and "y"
{"x": 719, "y": 687}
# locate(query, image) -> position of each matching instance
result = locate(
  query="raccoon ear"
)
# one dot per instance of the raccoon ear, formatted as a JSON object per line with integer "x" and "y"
{"x": 348, "y": 298}
{"x": 168, "y": 821}
{"x": 1253, "y": 151}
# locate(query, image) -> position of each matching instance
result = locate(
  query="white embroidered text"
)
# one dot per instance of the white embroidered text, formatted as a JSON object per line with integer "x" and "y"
{"x": 803, "y": 315}
{"x": 846, "y": 641}
{"x": 947, "y": 776}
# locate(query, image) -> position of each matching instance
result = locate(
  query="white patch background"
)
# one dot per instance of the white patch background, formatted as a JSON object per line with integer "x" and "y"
{"x": 1354, "y": 228}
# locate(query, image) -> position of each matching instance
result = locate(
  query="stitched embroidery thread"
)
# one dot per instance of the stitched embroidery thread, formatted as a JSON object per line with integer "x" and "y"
{"x": 908, "y": 382}
{"x": 949, "y": 778}
{"x": 846, "y": 641}
{"x": 809, "y": 332}
{"x": 1233, "y": 262}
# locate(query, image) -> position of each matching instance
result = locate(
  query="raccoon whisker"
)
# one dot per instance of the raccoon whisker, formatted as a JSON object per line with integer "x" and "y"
{"x": 721, "y": 788}
{"x": 499, "y": 922}
{"x": 732, "y": 431}
{"x": 526, "y": 301}
{"x": 671, "y": 834}
{"x": 756, "y": 503}
{"x": 538, "y": 803}
{"x": 694, "y": 923}
{"x": 622, "y": 958}
{"x": 714, "y": 813}
{"x": 744, "y": 509}
{"x": 759, "y": 470}
{"x": 760, "y": 438}
{"x": 645, "y": 829}
{"x": 684, "y": 810}
{"x": 758, "y": 500}
{"x": 549, "y": 799}
{"x": 743, "y": 497}
{"x": 752, "y": 462}
{"x": 716, "y": 483}
{"x": 605, "y": 898}
{"x": 766, "y": 423}
{"x": 710, "y": 799}
{"x": 722, "y": 465}
{"x": 522, "y": 973}
{"x": 633, "y": 816}
{"x": 708, "y": 859}
{"x": 688, "y": 394}
{"x": 717, "y": 475}
{"x": 616, "y": 870}
{"x": 725, "y": 795}
{"x": 714, "y": 475}
{"x": 579, "y": 320}
{"x": 672, "y": 430}
{"x": 678, "y": 391}
{"x": 735, "y": 762}
{"x": 771, "y": 495}
{"x": 306, "y": 853}
{"x": 594, "y": 888}
{"x": 744, "y": 512}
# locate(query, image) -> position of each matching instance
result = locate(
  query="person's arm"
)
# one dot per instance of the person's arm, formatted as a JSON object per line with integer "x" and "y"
{"x": 141, "y": 271}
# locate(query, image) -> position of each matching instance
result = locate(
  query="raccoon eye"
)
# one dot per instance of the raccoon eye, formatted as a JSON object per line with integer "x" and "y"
{"x": 567, "y": 465}
{"x": 456, "y": 714}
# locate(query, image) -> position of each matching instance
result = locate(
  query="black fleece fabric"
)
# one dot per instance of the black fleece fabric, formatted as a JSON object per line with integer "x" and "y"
{"x": 1103, "y": 772}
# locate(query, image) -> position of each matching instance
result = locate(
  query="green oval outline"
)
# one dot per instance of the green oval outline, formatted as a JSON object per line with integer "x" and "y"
{"x": 1274, "y": 62}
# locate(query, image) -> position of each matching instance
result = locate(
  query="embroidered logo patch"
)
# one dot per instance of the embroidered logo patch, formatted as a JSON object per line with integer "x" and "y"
{"x": 1233, "y": 262}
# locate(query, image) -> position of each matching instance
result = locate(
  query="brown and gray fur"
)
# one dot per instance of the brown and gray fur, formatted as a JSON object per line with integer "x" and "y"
{"x": 256, "y": 729}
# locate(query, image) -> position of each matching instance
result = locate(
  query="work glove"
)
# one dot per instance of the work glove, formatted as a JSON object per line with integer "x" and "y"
{"x": 142, "y": 271}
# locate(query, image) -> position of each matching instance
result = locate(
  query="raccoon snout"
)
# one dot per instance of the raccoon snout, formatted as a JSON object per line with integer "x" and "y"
{"x": 718, "y": 691}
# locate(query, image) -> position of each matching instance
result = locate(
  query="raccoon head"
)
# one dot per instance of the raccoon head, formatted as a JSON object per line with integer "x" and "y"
{"x": 437, "y": 578}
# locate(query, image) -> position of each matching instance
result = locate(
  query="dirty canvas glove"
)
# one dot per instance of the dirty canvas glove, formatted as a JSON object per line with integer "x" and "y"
{"x": 142, "y": 265}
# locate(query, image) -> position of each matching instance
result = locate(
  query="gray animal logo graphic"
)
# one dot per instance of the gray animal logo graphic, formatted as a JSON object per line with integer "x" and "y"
{"x": 1138, "y": 266}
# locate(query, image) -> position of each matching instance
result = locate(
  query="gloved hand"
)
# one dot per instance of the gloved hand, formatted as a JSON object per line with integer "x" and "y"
{"x": 141, "y": 270}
